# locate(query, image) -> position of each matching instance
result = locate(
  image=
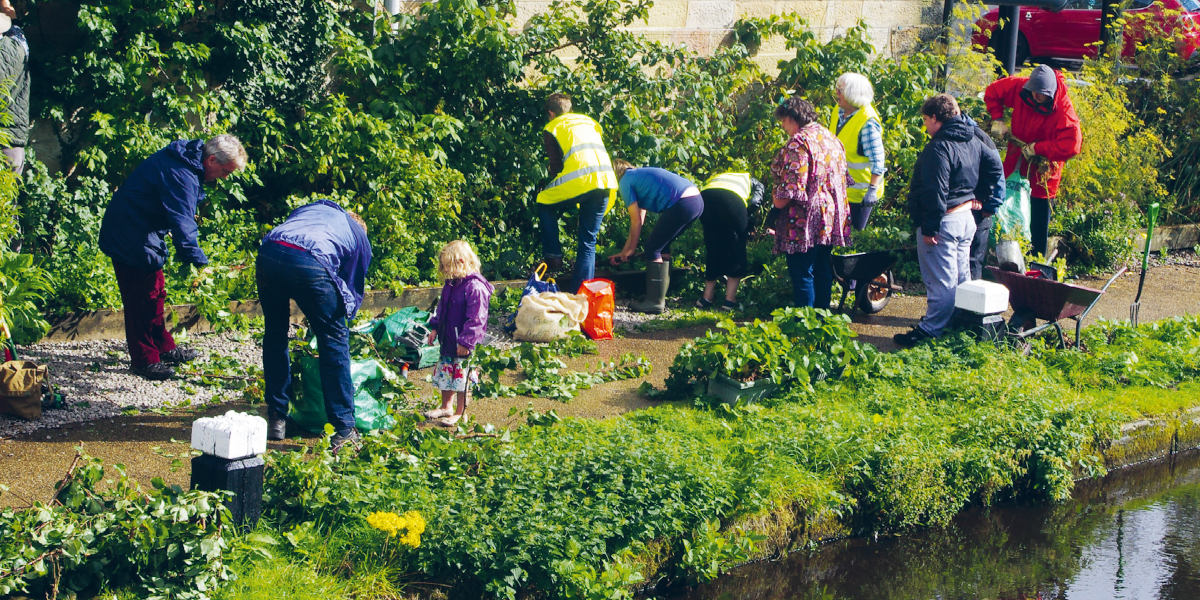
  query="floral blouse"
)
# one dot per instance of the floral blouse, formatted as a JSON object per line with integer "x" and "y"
{"x": 810, "y": 174}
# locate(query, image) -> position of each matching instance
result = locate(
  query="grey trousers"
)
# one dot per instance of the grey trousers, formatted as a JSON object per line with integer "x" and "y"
{"x": 943, "y": 266}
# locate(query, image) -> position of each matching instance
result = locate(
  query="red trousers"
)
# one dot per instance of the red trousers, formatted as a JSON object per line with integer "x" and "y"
{"x": 143, "y": 293}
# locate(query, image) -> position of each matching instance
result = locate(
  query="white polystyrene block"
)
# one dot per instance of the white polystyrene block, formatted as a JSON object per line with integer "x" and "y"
{"x": 981, "y": 297}
{"x": 232, "y": 435}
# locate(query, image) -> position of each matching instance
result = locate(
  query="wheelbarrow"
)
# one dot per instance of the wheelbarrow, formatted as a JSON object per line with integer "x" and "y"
{"x": 871, "y": 275}
{"x": 1034, "y": 298}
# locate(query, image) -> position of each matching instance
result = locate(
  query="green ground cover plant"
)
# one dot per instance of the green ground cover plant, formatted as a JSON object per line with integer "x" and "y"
{"x": 569, "y": 507}
{"x": 574, "y": 508}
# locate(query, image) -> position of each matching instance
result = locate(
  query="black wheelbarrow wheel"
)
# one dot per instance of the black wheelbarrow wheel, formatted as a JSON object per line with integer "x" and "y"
{"x": 872, "y": 296}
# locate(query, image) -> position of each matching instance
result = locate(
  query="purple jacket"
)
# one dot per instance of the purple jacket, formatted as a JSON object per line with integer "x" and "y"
{"x": 462, "y": 313}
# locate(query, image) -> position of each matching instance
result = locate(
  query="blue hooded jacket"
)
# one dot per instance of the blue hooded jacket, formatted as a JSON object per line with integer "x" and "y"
{"x": 159, "y": 197}
{"x": 339, "y": 244}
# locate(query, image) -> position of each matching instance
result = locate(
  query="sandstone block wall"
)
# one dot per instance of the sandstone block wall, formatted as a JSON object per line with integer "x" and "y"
{"x": 702, "y": 25}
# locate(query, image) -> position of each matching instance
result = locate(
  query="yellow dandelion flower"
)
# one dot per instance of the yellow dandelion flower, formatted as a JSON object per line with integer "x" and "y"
{"x": 1162, "y": 111}
{"x": 387, "y": 522}
{"x": 416, "y": 523}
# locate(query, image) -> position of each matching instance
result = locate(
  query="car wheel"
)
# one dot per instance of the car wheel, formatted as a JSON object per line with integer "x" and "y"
{"x": 998, "y": 47}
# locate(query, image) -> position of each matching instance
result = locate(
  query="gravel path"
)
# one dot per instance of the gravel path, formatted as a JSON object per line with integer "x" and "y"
{"x": 97, "y": 382}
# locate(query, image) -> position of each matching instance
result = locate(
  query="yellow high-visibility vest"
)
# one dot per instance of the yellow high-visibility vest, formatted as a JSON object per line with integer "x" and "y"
{"x": 859, "y": 165}
{"x": 738, "y": 183}
{"x": 586, "y": 165}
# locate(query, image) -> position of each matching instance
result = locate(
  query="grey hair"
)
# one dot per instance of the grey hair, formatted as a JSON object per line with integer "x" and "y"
{"x": 226, "y": 149}
{"x": 855, "y": 88}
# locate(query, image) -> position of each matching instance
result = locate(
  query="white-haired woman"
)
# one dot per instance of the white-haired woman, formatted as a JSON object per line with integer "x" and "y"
{"x": 860, "y": 130}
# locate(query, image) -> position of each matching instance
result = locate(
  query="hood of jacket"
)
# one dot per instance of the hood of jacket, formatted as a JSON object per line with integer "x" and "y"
{"x": 958, "y": 129}
{"x": 190, "y": 153}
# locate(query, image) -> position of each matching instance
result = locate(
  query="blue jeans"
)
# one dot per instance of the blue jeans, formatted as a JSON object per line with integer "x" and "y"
{"x": 943, "y": 267}
{"x": 591, "y": 214}
{"x": 812, "y": 276}
{"x": 290, "y": 274}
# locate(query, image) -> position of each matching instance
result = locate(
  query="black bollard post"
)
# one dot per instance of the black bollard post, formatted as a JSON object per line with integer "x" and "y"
{"x": 232, "y": 461}
{"x": 242, "y": 476}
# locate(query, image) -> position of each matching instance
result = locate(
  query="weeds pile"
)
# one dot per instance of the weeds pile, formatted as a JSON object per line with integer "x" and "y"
{"x": 543, "y": 374}
{"x": 97, "y": 535}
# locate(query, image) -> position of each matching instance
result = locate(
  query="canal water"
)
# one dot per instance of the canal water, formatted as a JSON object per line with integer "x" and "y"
{"x": 1134, "y": 535}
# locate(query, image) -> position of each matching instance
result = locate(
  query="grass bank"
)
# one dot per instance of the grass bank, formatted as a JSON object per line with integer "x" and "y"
{"x": 593, "y": 509}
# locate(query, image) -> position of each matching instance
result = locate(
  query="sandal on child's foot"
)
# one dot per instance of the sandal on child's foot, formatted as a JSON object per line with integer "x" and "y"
{"x": 703, "y": 303}
{"x": 451, "y": 420}
{"x": 438, "y": 413}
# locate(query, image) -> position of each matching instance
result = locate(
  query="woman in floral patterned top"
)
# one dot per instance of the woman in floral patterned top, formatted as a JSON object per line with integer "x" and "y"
{"x": 810, "y": 193}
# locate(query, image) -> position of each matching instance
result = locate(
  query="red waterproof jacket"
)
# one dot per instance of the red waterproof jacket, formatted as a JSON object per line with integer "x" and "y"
{"x": 1055, "y": 136}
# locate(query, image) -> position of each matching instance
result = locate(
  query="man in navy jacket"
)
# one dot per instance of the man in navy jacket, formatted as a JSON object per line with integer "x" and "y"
{"x": 318, "y": 257}
{"x": 160, "y": 198}
{"x": 955, "y": 167}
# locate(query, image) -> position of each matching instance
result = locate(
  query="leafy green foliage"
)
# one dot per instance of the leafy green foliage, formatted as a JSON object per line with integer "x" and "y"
{"x": 163, "y": 543}
{"x": 584, "y": 509}
{"x": 797, "y": 347}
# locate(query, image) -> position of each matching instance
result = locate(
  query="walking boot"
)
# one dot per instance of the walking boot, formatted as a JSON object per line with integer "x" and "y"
{"x": 658, "y": 277}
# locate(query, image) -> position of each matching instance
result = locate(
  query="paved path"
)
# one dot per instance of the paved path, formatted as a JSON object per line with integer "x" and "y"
{"x": 30, "y": 465}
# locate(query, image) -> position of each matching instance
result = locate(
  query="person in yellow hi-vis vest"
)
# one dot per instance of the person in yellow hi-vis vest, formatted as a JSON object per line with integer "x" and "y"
{"x": 860, "y": 130}
{"x": 730, "y": 197}
{"x": 581, "y": 174}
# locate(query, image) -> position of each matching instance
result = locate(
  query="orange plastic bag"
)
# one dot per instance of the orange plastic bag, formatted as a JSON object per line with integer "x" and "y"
{"x": 601, "y": 296}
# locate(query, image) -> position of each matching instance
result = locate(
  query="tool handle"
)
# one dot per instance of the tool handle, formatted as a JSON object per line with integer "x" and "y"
{"x": 1153, "y": 217}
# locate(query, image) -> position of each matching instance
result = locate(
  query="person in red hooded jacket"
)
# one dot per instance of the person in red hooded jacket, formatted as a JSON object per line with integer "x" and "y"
{"x": 1043, "y": 124}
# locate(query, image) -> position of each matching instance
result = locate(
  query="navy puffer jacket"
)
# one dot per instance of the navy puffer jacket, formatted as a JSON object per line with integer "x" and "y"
{"x": 159, "y": 197}
{"x": 954, "y": 167}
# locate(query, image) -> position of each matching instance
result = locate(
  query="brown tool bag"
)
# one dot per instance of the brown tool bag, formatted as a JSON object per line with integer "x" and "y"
{"x": 22, "y": 385}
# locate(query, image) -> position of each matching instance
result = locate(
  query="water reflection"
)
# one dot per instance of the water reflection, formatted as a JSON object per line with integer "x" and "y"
{"x": 1134, "y": 535}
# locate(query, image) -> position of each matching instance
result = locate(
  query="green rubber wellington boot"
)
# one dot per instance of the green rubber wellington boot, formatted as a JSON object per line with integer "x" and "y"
{"x": 658, "y": 278}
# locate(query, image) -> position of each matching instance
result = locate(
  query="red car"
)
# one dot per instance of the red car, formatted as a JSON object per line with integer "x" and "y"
{"x": 1073, "y": 32}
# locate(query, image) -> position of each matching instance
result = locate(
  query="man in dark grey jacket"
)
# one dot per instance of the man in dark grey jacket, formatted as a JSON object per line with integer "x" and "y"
{"x": 953, "y": 168}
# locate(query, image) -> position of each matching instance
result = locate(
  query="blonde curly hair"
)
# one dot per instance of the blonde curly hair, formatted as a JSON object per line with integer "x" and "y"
{"x": 457, "y": 260}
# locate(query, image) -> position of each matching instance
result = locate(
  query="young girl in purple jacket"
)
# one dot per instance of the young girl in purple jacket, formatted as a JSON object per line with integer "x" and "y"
{"x": 460, "y": 321}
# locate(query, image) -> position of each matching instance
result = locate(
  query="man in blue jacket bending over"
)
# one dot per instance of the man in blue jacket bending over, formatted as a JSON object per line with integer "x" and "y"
{"x": 159, "y": 198}
{"x": 319, "y": 258}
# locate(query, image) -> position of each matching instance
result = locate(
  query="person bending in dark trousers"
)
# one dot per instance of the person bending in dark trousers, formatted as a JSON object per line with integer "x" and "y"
{"x": 159, "y": 198}
{"x": 318, "y": 257}
{"x": 1043, "y": 135}
{"x": 729, "y": 198}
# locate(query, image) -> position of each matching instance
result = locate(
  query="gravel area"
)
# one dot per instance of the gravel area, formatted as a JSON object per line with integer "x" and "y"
{"x": 97, "y": 382}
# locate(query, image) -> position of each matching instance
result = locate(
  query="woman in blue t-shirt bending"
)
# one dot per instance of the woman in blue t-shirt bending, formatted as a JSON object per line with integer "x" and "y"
{"x": 650, "y": 189}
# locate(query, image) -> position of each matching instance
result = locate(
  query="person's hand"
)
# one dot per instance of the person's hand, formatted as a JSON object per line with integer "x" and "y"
{"x": 463, "y": 350}
{"x": 620, "y": 257}
{"x": 999, "y": 129}
{"x": 976, "y": 204}
{"x": 1028, "y": 152}
{"x": 929, "y": 239}
{"x": 431, "y": 338}
{"x": 872, "y": 195}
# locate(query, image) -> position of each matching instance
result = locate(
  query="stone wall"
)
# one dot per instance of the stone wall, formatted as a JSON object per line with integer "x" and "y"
{"x": 703, "y": 25}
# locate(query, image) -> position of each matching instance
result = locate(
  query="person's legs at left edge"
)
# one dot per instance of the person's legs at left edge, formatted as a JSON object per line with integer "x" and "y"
{"x": 273, "y": 297}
